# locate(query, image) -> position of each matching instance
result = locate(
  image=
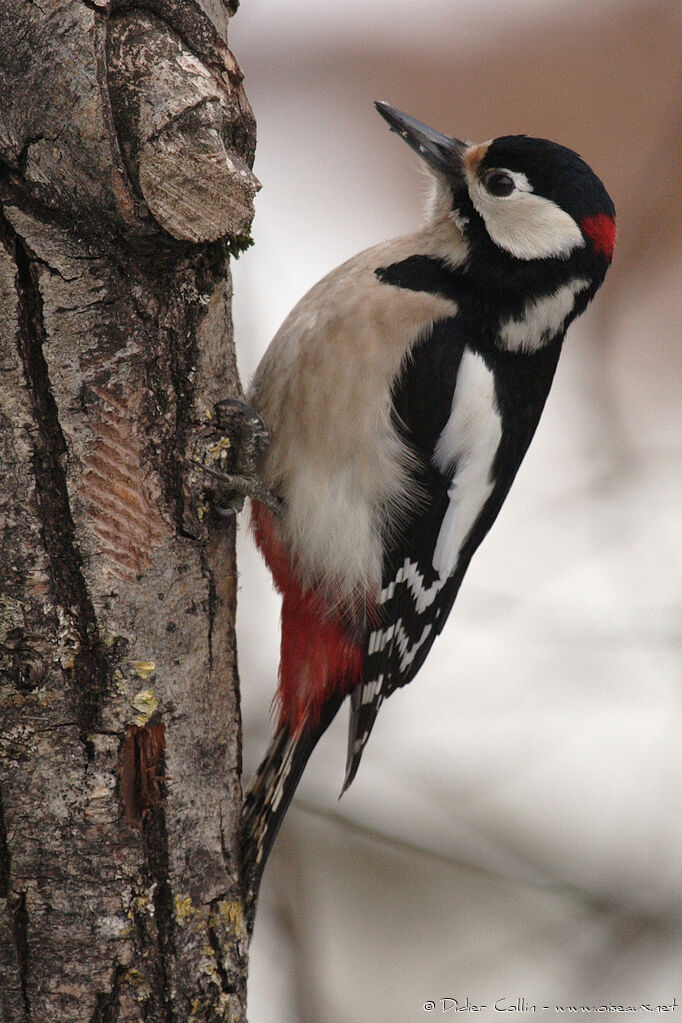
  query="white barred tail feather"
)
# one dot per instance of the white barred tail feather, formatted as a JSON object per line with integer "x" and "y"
{"x": 365, "y": 702}
{"x": 270, "y": 792}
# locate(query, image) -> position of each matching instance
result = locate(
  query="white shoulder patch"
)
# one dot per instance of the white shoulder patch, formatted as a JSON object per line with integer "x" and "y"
{"x": 470, "y": 440}
{"x": 542, "y": 319}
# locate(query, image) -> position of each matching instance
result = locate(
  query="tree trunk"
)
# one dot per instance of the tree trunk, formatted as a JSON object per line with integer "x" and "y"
{"x": 125, "y": 150}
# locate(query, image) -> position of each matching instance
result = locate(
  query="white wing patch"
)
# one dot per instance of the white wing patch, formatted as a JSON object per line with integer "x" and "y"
{"x": 542, "y": 319}
{"x": 469, "y": 440}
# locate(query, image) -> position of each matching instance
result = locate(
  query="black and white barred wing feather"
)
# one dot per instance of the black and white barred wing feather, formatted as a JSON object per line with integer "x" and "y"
{"x": 456, "y": 431}
{"x": 413, "y": 605}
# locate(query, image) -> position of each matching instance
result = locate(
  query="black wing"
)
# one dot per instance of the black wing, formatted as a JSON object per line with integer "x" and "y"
{"x": 416, "y": 599}
{"x": 396, "y": 649}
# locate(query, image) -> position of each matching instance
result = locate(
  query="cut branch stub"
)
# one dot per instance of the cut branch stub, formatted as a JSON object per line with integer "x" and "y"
{"x": 186, "y": 132}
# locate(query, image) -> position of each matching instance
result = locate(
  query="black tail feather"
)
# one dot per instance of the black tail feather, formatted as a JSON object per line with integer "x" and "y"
{"x": 269, "y": 794}
{"x": 364, "y": 707}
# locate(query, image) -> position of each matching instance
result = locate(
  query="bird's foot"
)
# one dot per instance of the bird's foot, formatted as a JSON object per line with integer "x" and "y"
{"x": 226, "y": 458}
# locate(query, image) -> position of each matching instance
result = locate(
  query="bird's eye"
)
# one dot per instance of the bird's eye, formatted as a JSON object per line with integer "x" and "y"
{"x": 498, "y": 183}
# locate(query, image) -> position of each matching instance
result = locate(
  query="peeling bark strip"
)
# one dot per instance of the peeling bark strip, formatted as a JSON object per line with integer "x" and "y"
{"x": 126, "y": 143}
{"x": 141, "y": 771}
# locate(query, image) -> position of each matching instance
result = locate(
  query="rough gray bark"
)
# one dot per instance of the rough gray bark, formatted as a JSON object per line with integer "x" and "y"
{"x": 125, "y": 147}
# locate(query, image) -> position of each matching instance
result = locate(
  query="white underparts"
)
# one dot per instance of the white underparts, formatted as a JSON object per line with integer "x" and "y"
{"x": 331, "y": 526}
{"x": 542, "y": 319}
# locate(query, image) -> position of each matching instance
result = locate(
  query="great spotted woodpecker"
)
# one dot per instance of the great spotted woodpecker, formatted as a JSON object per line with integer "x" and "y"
{"x": 401, "y": 395}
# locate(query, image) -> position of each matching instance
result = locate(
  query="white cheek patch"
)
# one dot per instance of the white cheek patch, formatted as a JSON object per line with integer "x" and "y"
{"x": 526, "y": 225}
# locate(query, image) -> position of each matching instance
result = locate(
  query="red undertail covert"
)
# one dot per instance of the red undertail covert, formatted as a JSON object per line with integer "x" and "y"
{"x": 317, "y": 657}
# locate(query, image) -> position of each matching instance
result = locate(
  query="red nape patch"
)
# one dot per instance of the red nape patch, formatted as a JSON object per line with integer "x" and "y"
{"x": 317, "y": 656}
{"x": 601, "y": 229}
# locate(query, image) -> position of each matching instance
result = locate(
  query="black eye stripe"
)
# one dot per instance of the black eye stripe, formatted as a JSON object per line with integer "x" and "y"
{"x": 498, "y": 183}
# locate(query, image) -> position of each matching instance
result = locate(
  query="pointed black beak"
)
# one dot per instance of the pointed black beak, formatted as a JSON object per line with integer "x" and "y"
{"x": 442, "y": 153}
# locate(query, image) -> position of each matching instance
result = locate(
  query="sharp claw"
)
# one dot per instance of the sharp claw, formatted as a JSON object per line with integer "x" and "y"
{"x": 221, "y": 476}
{"x": 253, "y": 419}
{"x": 255, "y": 436}
{"x": 242, "y": 479}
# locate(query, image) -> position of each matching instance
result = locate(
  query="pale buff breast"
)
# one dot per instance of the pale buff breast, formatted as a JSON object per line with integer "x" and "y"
{"x": 324, "y": 389}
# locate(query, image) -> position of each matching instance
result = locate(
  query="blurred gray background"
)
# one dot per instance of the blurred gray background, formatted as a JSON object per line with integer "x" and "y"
{"x": 515, "y": 830}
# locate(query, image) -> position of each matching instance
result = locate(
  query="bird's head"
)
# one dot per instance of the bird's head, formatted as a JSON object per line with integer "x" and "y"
{"x": 527, "y": 207}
